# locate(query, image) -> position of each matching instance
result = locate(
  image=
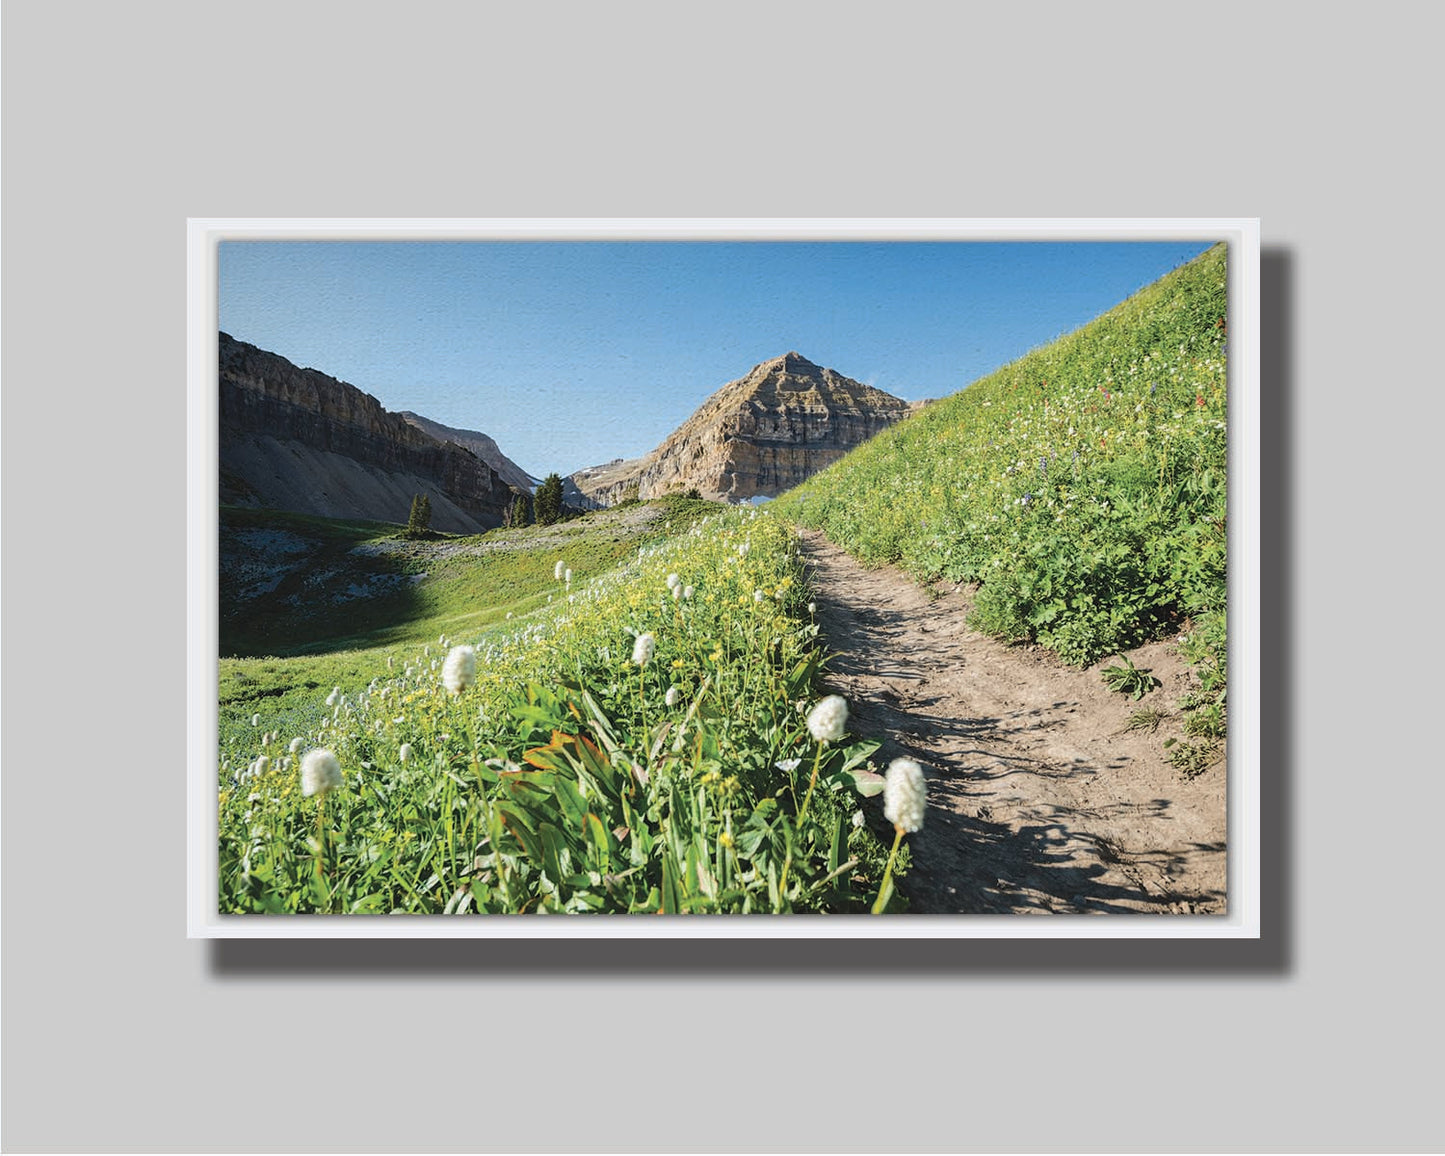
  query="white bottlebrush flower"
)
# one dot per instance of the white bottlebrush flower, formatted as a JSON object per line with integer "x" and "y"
{"x": 673, "y": 581}
{"x": 558, "y": 570}
{"x": 405, "y": 753}
{"x": 643, "y": 649}
{"x": 676, "y": 593}
{"x": 390, "y": 662}
{"x": 673, "y": 694}
{"x": 758, "y": 595}
{"x": 255, "y": 720}
{"x": 320, "y": 772}
{"x": 263, "y": 764}
{"x": 295, "y": 747}
{"x": 334, "y": 697}
{"x": 905, "y": 795}
{"x": 687, "y": 591}
{"x": 858, "y": 818}
{"x": 827, "y": 720}
{"x": 812, "y": 608}
{"x": 460, "y": 669}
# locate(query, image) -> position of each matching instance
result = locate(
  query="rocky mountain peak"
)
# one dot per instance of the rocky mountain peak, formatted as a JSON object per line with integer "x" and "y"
{"x": 791, "y": 372}
{"x": 780, "y": 423}
{"x": 794, "y": 362}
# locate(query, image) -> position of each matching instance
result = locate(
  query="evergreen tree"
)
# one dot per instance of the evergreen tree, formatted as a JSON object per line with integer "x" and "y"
{"x": 420, "y": 519}
{"x": 520, "y": 513}
{"x": 548, "y": 503}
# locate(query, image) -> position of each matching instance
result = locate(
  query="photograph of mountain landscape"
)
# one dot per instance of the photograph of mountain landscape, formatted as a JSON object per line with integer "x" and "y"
{"x": 722, "y": 577}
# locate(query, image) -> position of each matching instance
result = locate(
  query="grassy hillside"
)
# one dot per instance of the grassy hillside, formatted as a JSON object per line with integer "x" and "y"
{"x": 575, "y": 771}
{"x": 1083, "y": 486}
{"x": 296, "y": 584}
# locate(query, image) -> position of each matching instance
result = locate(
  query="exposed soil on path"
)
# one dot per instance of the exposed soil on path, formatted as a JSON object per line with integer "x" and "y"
{"x": 1038, "y": 801}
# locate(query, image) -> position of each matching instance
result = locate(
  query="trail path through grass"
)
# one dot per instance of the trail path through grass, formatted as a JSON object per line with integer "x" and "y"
{"x": 1038, "y": 801}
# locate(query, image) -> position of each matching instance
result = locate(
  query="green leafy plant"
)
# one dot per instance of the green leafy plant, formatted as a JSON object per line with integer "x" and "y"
{"x": 1206, "y": 720}
{"x": 1129, "y": 679}
{"x": 1192, "y": 759}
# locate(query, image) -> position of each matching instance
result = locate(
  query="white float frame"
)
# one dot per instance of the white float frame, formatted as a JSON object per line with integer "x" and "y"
{"x": 1243, "y": 919}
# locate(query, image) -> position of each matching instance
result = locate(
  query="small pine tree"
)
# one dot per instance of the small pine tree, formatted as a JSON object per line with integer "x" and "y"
{"x": 548, "y": 503}
{"x": 520, "y": 513}
{"x": 420, "y": 518}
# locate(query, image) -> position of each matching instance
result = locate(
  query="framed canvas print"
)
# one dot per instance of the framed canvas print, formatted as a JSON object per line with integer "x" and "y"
{"x": 723, "y": 578}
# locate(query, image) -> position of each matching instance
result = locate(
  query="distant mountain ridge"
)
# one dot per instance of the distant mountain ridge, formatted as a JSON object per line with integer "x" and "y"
{"x": 478, "y": 443}
{"x": 300, "y": 440}
{"x": 758, "y": 436}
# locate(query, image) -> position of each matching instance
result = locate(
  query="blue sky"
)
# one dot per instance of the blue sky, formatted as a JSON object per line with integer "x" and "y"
{"x": 571, "y": 353}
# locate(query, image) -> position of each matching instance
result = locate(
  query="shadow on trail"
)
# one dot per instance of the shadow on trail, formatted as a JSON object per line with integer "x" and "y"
{"x": 972, "y": 866}
{"x": 996, "y": 839}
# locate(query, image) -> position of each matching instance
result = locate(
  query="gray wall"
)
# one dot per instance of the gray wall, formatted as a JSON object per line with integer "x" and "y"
{"x": 122, "y": 120}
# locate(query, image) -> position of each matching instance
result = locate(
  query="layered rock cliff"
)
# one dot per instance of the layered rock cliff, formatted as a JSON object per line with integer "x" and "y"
{"x": 755, "y": 437}
{"x": 297, "y": 439}
{"x": 480, "y": 444}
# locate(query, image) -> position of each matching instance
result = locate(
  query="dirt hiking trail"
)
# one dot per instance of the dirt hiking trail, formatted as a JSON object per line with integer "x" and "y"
{"x": 1038, "y": 801}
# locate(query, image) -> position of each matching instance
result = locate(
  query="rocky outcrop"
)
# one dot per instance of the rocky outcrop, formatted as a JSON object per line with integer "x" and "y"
{"x": 480, "y": 444}
{"x": 603, "y": 485}
{"x": 755, "y": 437}
{"x": 297, "y": 439}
